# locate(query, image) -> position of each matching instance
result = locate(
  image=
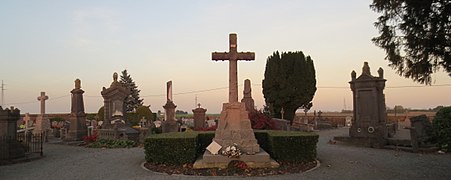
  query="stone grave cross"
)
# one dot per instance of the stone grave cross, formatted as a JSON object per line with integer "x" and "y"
{"x": 233, "y": 56}
{"x": 42, "y": 98}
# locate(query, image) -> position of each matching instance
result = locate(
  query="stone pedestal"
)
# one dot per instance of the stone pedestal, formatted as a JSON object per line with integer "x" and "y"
{"x": 199, "y": 117}
{"x": 170, "y": 124}
{"x": 258, "y": 160}
{"x": 235, "y": 128}
{"x": 42, "y": 124}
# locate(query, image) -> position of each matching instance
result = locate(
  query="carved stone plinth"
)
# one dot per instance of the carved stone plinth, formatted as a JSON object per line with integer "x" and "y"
{"x": 235, "y": 128}
{"x": 169, "y": 125}
{"x": 42, "y": 124}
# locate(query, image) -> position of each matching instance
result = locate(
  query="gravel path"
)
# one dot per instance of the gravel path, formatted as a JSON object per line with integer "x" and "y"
{"x": 337, "y": 162}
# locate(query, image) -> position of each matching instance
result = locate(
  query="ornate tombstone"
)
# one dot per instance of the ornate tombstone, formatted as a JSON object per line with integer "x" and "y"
{"x": 77, "y": 128}
{"x": 369, "y": 106}
{"x": 114, "y": 98}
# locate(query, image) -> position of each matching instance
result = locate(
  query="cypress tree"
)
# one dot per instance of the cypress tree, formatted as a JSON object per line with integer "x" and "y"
{"x": 289, "y": 83}
{"x": 133, "y": 101}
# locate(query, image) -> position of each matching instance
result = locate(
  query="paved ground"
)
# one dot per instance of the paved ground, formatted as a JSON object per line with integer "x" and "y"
{"x": 338, "y": 161}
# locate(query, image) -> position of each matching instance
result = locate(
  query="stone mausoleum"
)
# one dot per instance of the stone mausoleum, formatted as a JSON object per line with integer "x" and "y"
{"x": 369, "y": 122}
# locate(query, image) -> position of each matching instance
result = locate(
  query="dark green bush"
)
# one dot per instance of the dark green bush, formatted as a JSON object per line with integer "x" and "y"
{"x": 292, "y": 146}
{"x": 204, "y": 139}
{"x": 442, "y": 128}
{"x": 171, "y": 148}
{"x": 182, "y": 148}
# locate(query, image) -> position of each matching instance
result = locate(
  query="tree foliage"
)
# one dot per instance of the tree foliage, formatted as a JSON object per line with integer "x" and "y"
{"x": 416, "y": 36}
{"x": 442, "y": 128}
{"x": 289, "y": 83}
{"x": 133, "y": 101}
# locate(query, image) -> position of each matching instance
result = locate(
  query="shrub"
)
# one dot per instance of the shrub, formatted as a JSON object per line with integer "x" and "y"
{"x": 203, "y": 140}
{"x": 112, "y": 143}
{"x": 171, "y": 148}
{"x": 181, "y": 148}
{"x": 292, "y": 146}
{"x": 442, "y": 128}
{"x": 260, "y": 120}
{"x": 89, "y": 139}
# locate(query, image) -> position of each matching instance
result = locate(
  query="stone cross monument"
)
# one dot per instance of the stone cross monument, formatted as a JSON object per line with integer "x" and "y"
{"x": 234, "y": 124}
{"x": 42, "y": 122}
{"x": 369, "y": 120}
{"x": 170, "y": 124}
{"x": 77, "y": 128}
{"x": 247, "y": 96}
{"x": 234, "y": 128}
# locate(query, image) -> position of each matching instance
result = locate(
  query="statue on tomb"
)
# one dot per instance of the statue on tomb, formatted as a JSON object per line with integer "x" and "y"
{"x": 77, "y": 84}
{"x": 381, "y": 73}
{"x": 366, "y": 69}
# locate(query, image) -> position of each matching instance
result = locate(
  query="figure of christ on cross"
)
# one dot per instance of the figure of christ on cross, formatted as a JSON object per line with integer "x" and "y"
{"x": 233, "y": 56}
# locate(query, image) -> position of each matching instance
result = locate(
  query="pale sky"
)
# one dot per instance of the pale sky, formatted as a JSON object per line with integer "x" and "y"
{"x": 46, "y": 45}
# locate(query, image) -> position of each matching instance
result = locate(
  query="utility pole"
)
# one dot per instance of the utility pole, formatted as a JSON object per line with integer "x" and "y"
{"x": 195, "y": 101}
{"x": 3, "y": 94}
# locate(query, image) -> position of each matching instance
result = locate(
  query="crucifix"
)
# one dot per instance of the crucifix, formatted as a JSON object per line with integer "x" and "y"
{"x": 42, "y": 98}
{"x": 233, "y": 56}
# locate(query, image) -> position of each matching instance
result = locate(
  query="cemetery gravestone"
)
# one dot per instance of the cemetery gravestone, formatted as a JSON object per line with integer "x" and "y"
{"x": 77, "y": 118}
{"x": 247, "y": 96}
{"x": 42, "y": 121}
{"x": 369, "y": 106}
{"x": 114, "y": 98}
{"x": 199, "y": 117}
{"x": 169, "y": 124}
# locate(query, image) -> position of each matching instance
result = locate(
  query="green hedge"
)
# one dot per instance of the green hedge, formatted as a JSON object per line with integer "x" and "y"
{"x": 203, "y": 140}
{"x": 182, "y": 148}
{"x": 171, "y": 148}
{"x": 292, "y": 146}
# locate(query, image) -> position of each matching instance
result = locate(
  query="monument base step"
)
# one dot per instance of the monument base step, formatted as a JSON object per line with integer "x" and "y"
{"x": 258, "y": 160}
{"x": 410, "y": 149}
{"x": 399, "y": 142}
